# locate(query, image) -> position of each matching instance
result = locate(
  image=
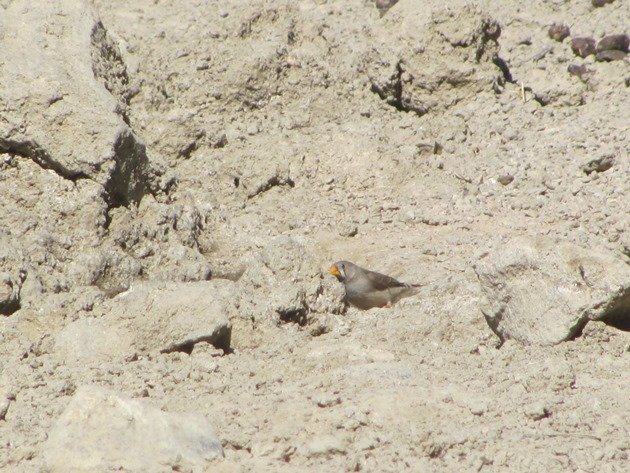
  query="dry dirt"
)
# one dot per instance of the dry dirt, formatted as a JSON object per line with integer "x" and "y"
{"x": 281, "y": 137}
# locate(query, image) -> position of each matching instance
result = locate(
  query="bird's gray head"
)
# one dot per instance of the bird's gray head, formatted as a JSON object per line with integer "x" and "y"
{"x": 342, "y": 270}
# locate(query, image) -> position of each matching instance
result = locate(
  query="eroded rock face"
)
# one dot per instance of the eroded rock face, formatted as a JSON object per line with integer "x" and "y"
{"x": 412, "y": 69}
{"x": 540, "y": 291}
{"x": 79, "y": 199}
{"x": 57, "y": 96}
{"x": 285, "y": 283}
{"x": 101, "y": 430}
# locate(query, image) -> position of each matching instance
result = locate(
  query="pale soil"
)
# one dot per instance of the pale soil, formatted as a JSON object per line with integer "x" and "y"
{"x": 312, "y": 152}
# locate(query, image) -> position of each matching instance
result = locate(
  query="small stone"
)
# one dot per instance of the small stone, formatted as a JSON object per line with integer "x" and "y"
{"x": 583, "y": 46}
{"x": 4, "y": 407}
{"x": 610, "y": 55}
{"x": 619, "y": 42}
{"x": 384, "y": 5}
{"x": 598, "y": 165}
{"x": 478, "y": 408}
{"x": 505, "y": 179}
{"x": 600, "y": 3}
{"x": 558, "y": 32}
{"x": 348, "y": 229}
{"x": 327, "y": 401}
{"x": 537, "y": 411}
{"x": 325, "y": 445}
{"x": 577, "y": 70}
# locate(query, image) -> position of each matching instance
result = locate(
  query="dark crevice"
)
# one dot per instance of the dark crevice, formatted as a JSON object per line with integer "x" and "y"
{"x": 220, "y": 338}
{"x": 31, "y": 150}
{"x": 294, "y": 315}
{"x": 272, "y": 182}
{"x": 542, "y": 101}
{"x": 109, "y": 67}
{"x": 505, "y": 69}
{"x": 11, "y": 306}
{"x": 127, "y": 183}
{"x": 398, "y": 101}
{"x": 621, "y": 323}
{"x": 577, "y": 330}
{"x": 617, "y": 313}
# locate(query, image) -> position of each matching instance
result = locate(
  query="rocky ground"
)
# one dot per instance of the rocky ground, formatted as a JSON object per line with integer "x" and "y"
{"x": 177, "y": 177}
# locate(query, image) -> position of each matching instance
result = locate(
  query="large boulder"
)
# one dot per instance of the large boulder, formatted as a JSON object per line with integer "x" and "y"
{"x": 175, "y": 316}
{"x": 542, "y": 291}
{"x": 151, "y": 317}
{"x": 103, "y": 431}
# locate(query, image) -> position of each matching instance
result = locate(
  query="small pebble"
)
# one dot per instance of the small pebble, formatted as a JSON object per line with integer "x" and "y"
{"x": 325, "y": 445}
{"x": 619, "y": 42}
{"x": 558, "y": 32}
{"x": 583, "y": 46}
{"x": 327, "y": 400}
{"x": 505, "y": 179}
{"x": 537, "y": 411}
{"x": 598, "y": 165}
{"x": 577, "y": 70}
{"x": 600, "y": 3}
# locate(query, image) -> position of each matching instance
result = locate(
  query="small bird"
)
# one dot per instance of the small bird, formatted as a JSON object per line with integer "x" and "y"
{"x": 366, "y": 289}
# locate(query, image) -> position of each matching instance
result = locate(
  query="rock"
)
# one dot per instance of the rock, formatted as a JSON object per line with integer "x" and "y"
{"x": 541, "y": 291}
{"x": 325, "y": 446}
{"x": 577, "y": 70}
{"x": 175, "y": 316}
{"x": 610, "y": 55}
{"x": 103, "y": 431}
{"x": 617, "y": 42}
{"x": 67, "y": 90}
{"x": 430, "y": 51}
{"x": 598, "y": 165}
{"x": 285, "y": 283}
{"x": 347, "y": 229}
{"x": 384, "y": 5}
{"x": 91, "y": 340}
{"x": 558, "y": 31}
{"x": 600, "y": 3}
{"x": 583, "y": 46}
{"x": 505, "y": 179}
{"x": 537, "y": 411}
{"x": 5, "y": 402}
{"x": 151, "y": 317}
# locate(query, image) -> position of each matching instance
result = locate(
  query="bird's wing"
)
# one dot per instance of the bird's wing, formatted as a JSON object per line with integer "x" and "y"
{"x": 382, "y": 282}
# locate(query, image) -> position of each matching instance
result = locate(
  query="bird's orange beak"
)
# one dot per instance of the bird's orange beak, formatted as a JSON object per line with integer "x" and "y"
{"x": 334, "y": 271}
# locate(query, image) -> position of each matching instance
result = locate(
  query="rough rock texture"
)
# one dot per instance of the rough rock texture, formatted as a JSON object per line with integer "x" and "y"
{"x": 436, "y": 59}
{"x": 80, "y": 131}
{"x": 148, "y": 318}
{"x": 545, "y": 291}
{"x": 100, "y": 431}
{"x": 170, "y": 317}
{"x": 167, "y": 168}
